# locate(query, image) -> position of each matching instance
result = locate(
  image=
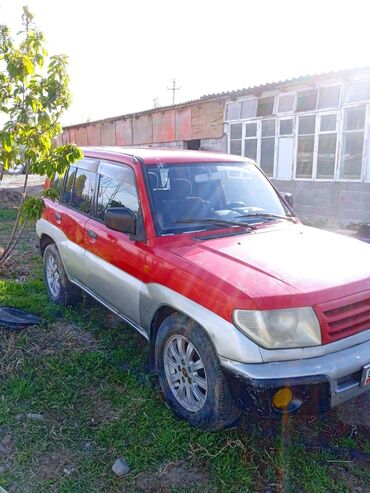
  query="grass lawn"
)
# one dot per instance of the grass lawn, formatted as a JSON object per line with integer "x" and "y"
{"x": 84, "y": 372}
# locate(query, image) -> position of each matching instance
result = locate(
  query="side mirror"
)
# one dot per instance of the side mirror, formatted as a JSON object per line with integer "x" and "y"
{"x": 120, "y": 219}
{"x": 289, "y": 198}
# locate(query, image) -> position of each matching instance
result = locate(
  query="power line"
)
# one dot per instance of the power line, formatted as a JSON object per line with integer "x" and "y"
{"x": 173, "y": 89}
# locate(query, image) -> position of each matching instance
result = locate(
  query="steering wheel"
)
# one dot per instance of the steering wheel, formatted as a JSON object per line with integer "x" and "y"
{"x": 236, "y": 205}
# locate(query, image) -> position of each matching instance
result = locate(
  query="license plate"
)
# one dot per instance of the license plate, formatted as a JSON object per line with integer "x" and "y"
{"x": 365, "y": 376}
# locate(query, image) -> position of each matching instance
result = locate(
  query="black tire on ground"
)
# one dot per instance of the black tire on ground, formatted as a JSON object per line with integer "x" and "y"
{"x": 220, "y": 409}
{"x": 68, "y": 294}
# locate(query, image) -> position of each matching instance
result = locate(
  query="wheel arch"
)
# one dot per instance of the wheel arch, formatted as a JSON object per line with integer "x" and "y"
{"x": 160, "y": 315}
{"x": 45, "y": 240}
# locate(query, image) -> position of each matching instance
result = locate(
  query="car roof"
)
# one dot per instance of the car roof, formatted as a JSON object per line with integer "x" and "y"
{"x": 156, "y": 156}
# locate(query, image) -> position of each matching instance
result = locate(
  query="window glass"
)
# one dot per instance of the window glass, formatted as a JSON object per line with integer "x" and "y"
{"x": 265, "y": 106}
{"x": 328, "y": 123}
{"x": 326, "y": 156}
{"x": 83, "y": 190}
{"x": 286, "y": 127}
{"x": 306, "y": 100}
{"x": 354, "y": 118}
{"x": 236, "y": 147}
{"x": 352, "y": 149}
{"x": 249, "y": 108}
{"x": 305, "y": 156}
{"x": 208, "y": 190}
{"x": 306, "y": 124}
{"x": 268, "y": 128}
{"x": 329, "y": 97}
{"x": 67, "y": 193}
{"x": 250, "y": 148}
{"x": 58, "y": 184}
{"x": 233, "y": 111}
{"x": 267, "y": 155}
{"x": 357, "y": 92}
{"x": 117, "y": 193}
{"x": 286, "y": 103}
{"x": 236, "y": 131}
{"x": 250, "y": 129}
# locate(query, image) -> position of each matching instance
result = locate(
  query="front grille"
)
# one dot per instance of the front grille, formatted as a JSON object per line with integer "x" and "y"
{"x": 344, "y": 317}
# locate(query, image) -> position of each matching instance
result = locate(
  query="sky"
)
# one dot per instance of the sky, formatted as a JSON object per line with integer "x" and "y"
{"x": 123, "y": 55}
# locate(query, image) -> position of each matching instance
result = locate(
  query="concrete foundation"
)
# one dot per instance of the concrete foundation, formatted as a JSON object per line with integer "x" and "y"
{"x": 333, "y": 204}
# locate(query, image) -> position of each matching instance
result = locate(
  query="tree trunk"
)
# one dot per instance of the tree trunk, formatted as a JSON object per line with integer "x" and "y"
{"x": 15, "y": 234}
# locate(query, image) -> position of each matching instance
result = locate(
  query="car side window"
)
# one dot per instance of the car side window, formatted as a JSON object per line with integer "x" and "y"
{"x": 67, "y": 192}
{"x": 79, "y": 189}
{"x": 83, "y": 191}
{"x": 114, "y": 192}
{"x": 57, "y": 184}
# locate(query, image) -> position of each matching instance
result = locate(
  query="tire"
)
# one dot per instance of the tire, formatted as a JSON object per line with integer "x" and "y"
{"x": 59, "y": 287}
{"x": 204, "y": 399}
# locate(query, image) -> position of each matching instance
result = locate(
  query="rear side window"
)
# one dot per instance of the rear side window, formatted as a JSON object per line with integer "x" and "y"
{"x": 79, "y": 189}
{"x": 83, "y": 191}
{"x": 67, "y": 193}
{"x": 117, "y": 193}
{"x": 57, "y": 184}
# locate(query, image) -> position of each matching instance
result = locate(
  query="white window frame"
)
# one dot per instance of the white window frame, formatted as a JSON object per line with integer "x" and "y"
{"x": 353, "y": 83}
{"x": 290, "y": 93}
{"x": 295, "y": 177}
{"x": 257, "y": 137}
{"x": 341, "y": 97}
{"x": 317, "y": 137}
{"x": 365, "y": 142}
{"x": 318, "y": 113}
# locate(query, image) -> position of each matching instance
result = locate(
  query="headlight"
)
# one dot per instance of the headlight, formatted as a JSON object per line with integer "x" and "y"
{"x": 278, "y": 329}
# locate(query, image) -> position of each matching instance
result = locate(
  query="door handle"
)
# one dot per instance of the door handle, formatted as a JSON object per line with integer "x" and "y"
{"x": 92, "y": 234}
{"x": 58, "y": 217}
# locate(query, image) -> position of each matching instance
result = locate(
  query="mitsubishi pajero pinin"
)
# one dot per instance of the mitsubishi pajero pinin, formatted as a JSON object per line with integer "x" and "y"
{"x": 244, "y": 308}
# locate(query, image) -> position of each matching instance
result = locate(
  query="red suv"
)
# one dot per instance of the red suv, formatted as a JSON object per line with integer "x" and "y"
{"x": 243, "y": 307}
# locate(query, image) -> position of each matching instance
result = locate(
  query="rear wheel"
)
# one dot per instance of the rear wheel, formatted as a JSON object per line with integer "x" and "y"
{"x": 59, "y": 287}
{"x": 190, "y": 375}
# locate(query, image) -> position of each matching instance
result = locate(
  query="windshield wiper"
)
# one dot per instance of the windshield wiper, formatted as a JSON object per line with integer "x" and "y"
{"x": 217, "y": 222}
{"x": 267, "y": 215}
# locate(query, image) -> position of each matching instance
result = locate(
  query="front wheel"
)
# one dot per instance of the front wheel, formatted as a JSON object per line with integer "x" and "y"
{"x": 190, "y": 375}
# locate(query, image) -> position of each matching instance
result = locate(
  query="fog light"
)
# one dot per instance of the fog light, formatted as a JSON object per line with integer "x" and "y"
{"x": 282, "y": 398}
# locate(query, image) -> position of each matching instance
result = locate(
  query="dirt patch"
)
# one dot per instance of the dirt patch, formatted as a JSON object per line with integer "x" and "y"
{"x": 62, "y": 336}
{"x": 355, "y": 412}
{"x": 13, "y": 184}
{"x": 9, "y": 199}
{"x": 172, "y": 476}
{"x": 54, "y": 339}
{"x": 21, "y": 264}
{"x": 53, "y": 464}
{"x": 101, "y": 411}
{"x": 342, "y": 474}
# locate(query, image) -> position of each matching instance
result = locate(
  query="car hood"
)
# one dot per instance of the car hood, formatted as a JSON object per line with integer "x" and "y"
{"x": 291, "y": 260}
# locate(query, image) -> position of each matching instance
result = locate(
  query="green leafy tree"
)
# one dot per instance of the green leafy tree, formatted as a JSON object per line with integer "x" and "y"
{"x": 34, "y": 94}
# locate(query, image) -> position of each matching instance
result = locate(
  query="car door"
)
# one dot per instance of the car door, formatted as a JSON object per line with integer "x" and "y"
{"x": 71, "y": 212}
{"x": 112, "y": 262}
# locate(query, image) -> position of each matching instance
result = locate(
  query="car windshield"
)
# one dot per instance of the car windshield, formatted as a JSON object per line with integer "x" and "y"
{"x": 181, "y": 194}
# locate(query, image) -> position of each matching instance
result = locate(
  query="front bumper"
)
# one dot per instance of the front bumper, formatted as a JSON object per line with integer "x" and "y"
{"x": 318, "y": 384}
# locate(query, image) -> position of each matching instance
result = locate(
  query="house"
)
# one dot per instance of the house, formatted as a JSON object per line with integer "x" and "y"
{"x": 310, "y": 135}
